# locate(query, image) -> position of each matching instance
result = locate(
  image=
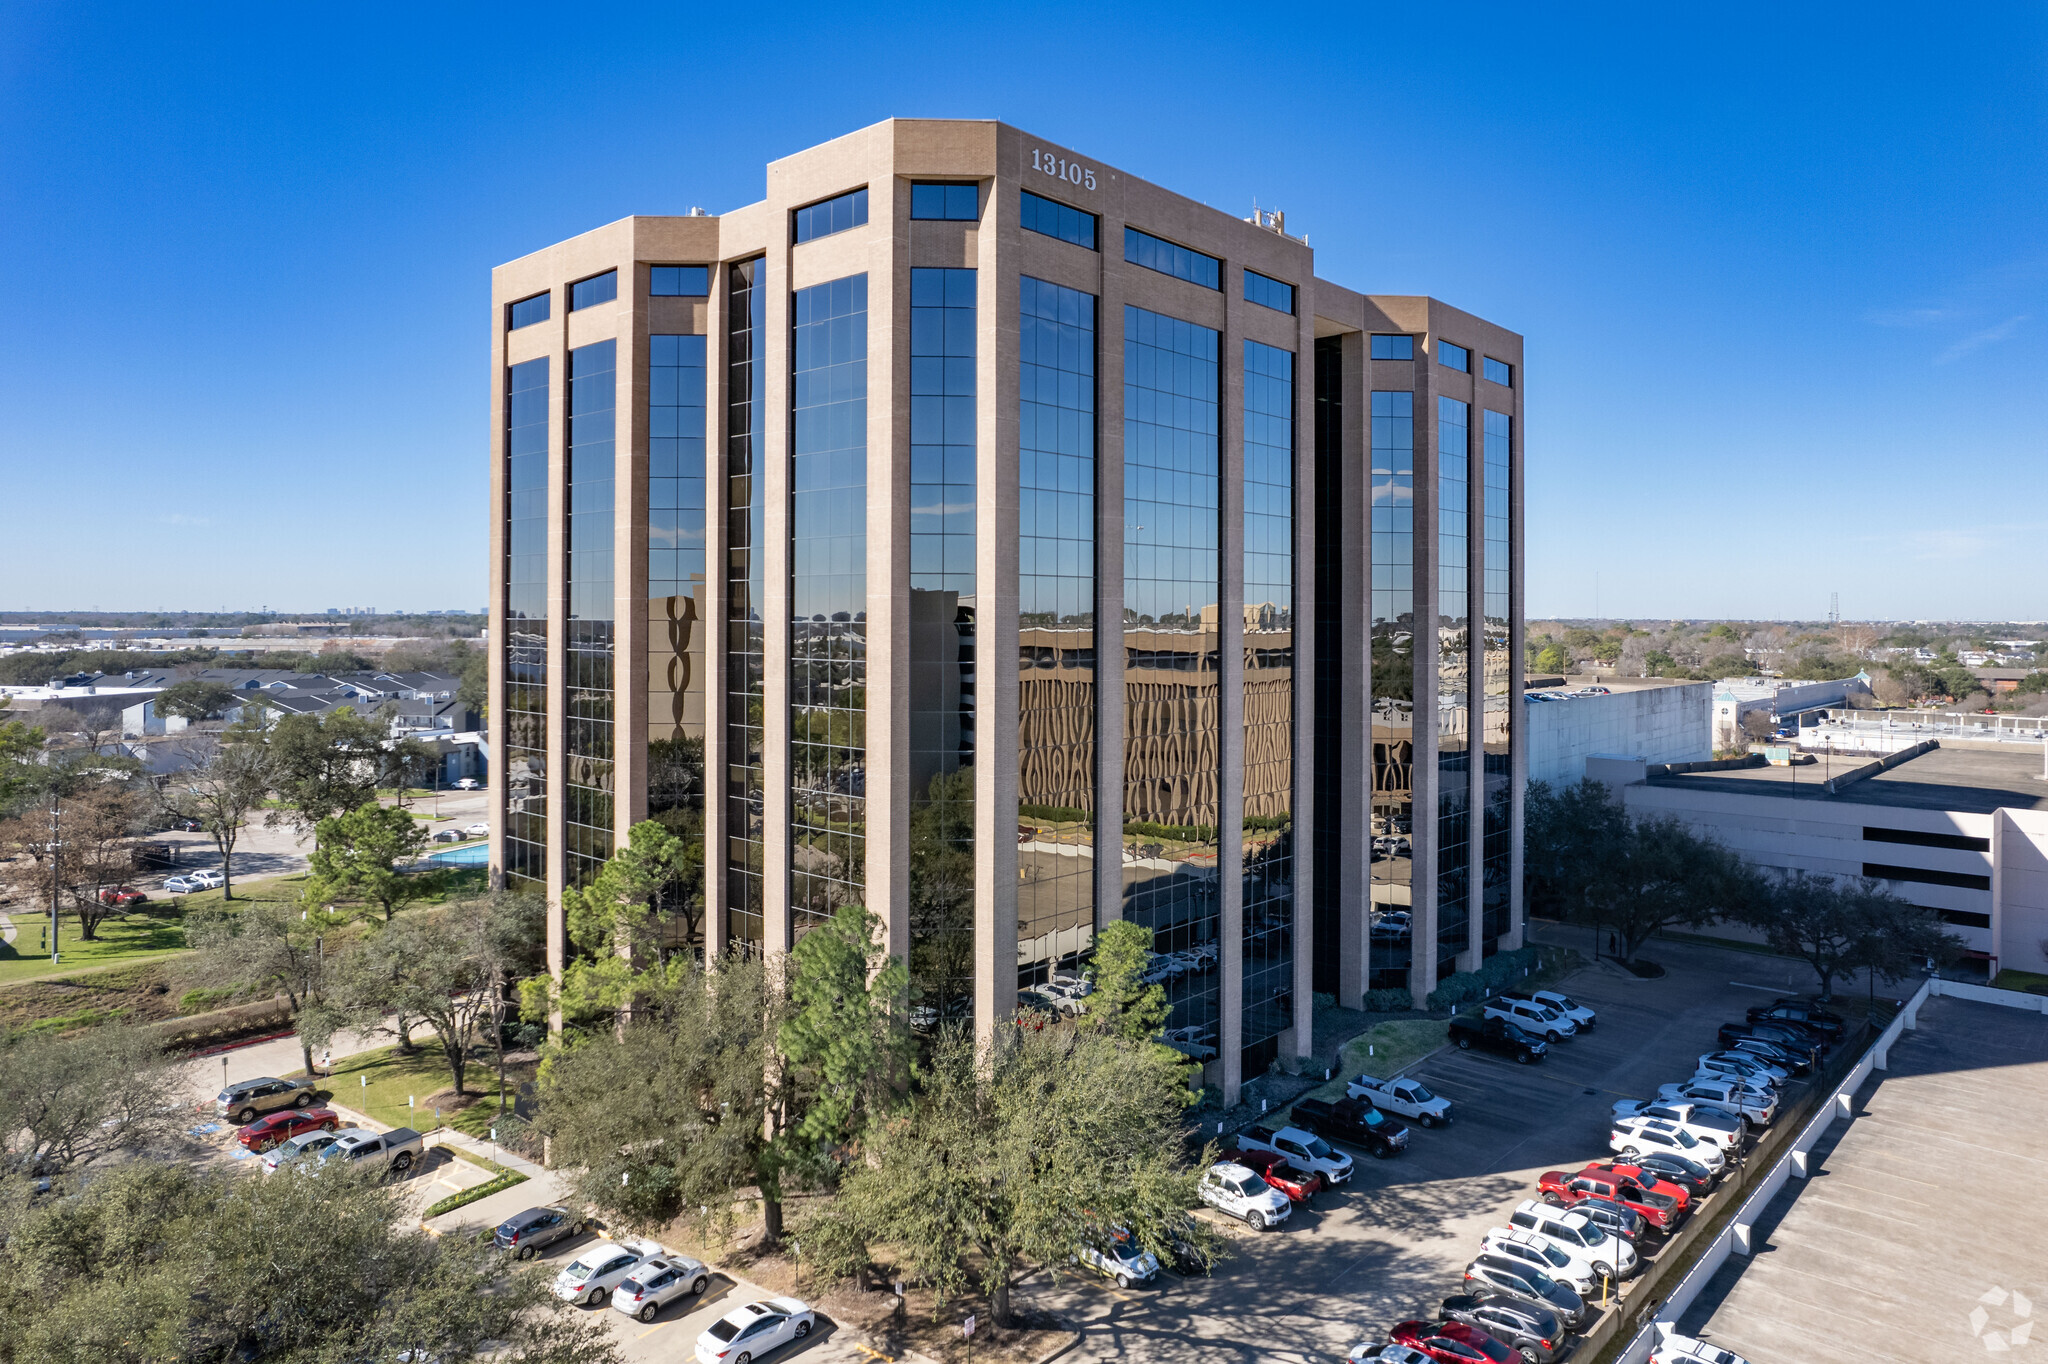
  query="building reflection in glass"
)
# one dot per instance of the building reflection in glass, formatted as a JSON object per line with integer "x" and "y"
{"x": 525, "y": 851}
{"x": 675, "y": 607}
{"x": 1496, "y": 644}
{"x": 745, "y": 665}
{"x": 1172, "y": 525}
{"x": 1393, "y": 687}
{"x": 1453, "y": 684}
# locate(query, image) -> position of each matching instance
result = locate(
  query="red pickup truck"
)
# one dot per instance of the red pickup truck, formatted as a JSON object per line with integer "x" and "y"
{"x": 1662, "y": 1203}
{"x": 1298, "y": 1184}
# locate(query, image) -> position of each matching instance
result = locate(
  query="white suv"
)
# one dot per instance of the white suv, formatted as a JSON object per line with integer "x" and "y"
{"x": 1751, "y": 1068}
{"x": 1577, "y": 1235}
{"x": 1532, "y": 1017}
{"x": 1632, "y": 1137}
{"x": 1729, "y": 1097}
{"x": 658, "y": 1281}
{"x": 1723, "y": 1131}
{"x": 1566, "y": 1005}
{"x": 1241, "y": 1193}
{"x": 1534, "y": 1252}
{"x": 600, "y": 1268}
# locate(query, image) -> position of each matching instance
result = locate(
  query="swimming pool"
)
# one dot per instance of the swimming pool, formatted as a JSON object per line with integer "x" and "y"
{"x": 475, "y": 854}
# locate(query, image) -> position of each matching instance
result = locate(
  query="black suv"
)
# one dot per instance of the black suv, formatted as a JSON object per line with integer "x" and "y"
{"x": 1826, "y": 1022}
{"x": 1497, "y": 1034}
{"x": 1355, "y": 1122}
{"x": 1533, "y": 1331}
{"x": 526, "y": 1233}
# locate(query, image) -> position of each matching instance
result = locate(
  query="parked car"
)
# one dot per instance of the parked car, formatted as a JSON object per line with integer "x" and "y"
{"x": 1386, "y": 1354}
{"x": 1450, "y": 1342}
{"x": 1632, "y": 1137}
{"x": 1662, "y": 1205}
{"x": 447, "y": 836}
{"x": 1185, "y": 1257}
{"x": 244, "y": 1100}
{"x": 1829, "y": 1023}
{"x": 1788, "y": 1035}
{"x": 467, "y": 784}
{"x": 1728, "y": 1096}
{"x": 1497, "y": 1034}
{"x": 1305, "y": 1149}
{"x": 1611, "y": 1215}
{"x": 1725, "y": 1130}
{"x": 1409, "y": 1098}
{"x": 395, "y": 1151}
{"x": 1534, "y": 1252}
{"x": 1491, "y": 1273}
{"x": 600, "y": 1267}
{"x": 120, "y": 897}
{"x": 527, "y": 1233}
{"x": 292, "y": 1148}
{"x": 478, "y": 830}
{"x": 1533, "y": 1332}
{"x": 278, "y": 1128}
{"x": 659, "y": 1281}
{"x": 1678, "y": 1349}
{"x": 1772, "y": 1053}
{"x": 1241, "y": 1193}
{"x": 1355, "y": 1122}
{"x": 191, "y": 883}
{"x": 1537, "y": 1019}
{"x": 1751, "y": 1069}
{"x": 1119, "y": 1258}
{"x": 746, "y": 1333}
{"x": 1581, "y": 1014}
{"x": 1610, "y": 1254}
{"x": 1689, "y": 1175}
{"x": 1299, "y": 1185}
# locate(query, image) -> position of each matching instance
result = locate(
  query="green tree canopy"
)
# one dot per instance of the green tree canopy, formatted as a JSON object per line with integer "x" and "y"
{"x": 195, "y": 699}
{"x": 844, "y": 1043}
{"x": 622, "y": 925}
{"x": 325, "y": 765}
{"x": 1121, "y": 1004}
{"x": 357, "y": 856}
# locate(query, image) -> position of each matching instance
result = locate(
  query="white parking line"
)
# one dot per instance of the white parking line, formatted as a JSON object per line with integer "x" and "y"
{"x": 1767, "y": 989}
{"x": 652, "y": 1329}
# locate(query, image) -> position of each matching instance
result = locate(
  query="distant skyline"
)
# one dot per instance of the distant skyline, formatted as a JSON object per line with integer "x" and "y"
{"x": 1785, "y": 299}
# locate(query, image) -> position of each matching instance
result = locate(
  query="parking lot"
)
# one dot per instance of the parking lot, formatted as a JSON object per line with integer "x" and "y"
{"x": 1394, "y": 1243}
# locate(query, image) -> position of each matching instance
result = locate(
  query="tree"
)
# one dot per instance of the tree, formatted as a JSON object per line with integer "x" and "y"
{"x": 70, "y": 1100}
{"x": 163, "y": 1261}
{"x": 195, "y": 699}
{"x": 669, "y": 1113}
{"x": 1551, "y": 658}
{"x": 1758, "y": 725}
{"x": 325, "y": 765}
{"x": 1122, "y": 1005}
{"x": 1568, "y": 832}
{"x": 844, "y": 1043}
{"x": 1729, "y": 665}
{"x": 20, "y": 742}
{"x": 95, "y": 720}
{"x": 407, "y": 762}
{"x": 356, "y": 856}
{"x": 619, "y": 925}
{"x": 1836, "y": 927}
{"x": 266, "y": 947}
{"x": 227, "y": 779}
{"x": 1024, "y": 1150}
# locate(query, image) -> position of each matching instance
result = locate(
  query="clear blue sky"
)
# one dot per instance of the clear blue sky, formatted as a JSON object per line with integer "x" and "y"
{"x": 1783, "y": 270}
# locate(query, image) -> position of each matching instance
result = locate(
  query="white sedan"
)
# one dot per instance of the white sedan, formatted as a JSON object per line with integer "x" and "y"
{"x": 746, "y": 1333}
{"x": 1724, "y": 1131}
{"x": 600, "y": 1268}
{"x": 478, "y": 830}
{"x": 193, "y": 881}
{"x": 1678, "y": 1349}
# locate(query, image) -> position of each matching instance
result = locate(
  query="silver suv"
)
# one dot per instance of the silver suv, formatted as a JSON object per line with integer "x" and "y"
{"x": 244, "y": 1100}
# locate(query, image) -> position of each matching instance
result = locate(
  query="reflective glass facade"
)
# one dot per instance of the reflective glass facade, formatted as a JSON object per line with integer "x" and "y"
{"x": 528, "y": 311}
{"x": 1056, "y": 219}
{"x": 525, "y": 854}
{"x": 1393, "y": 347}
{"x": 833, "y": 215}
{"x": 1500, "y": 372}
{"x": 1393, "y": 687}
{"x": 745, "y": 664}
{"x": 676, "y": 592}
{"x": 942, "y": 641}
{"x": 589, "y": 750}
{"x": 1453, "y": 679}
{"x": 956, "y": 203}
{"x": 1268, "y": 292}
{"x": 1496, "y": 641}
{"x": 828, "y": 663}
{"x": 588, "y": 293}
{"x": 1334, "y": 783}
{"x": 1168, "y": 258}
{"x": 1453, "y": 357}
{"x": 1172, "y": 583}
{"x": 678, "y": 281}
{"x": 1268, "y": 842}
{"x": 1056, "y": 757}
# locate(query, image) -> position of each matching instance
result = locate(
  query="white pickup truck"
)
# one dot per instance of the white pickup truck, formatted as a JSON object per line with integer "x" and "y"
{"x": 396, "y": 1150}
{"x": 1409, "y": 1098}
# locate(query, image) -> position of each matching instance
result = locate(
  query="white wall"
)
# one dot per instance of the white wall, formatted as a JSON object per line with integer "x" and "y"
{"x": 1656, "y": 724}
{"x": 2019, "y": 888}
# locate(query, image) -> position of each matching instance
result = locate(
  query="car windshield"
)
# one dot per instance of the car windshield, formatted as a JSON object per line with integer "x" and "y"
{"x": 1319, "y": 1148}
{"x": 1372, "y": 1117}
{"x": 1563, "y": 1001}
{"x": 1684, "y": 1138}
{"x": 1418, "y": 1094}
{"x": 1491, "y": 1348}
{"x": 581, "y": 1269}
{"x": 1555, "y": 1256}
{"x": 1540, "y": 1281}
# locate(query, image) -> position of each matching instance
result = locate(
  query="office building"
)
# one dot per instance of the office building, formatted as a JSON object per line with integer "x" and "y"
{"x": 979, "y": 533}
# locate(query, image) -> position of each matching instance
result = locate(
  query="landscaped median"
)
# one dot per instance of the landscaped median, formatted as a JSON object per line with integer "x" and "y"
{"x": 498, "y": 1184}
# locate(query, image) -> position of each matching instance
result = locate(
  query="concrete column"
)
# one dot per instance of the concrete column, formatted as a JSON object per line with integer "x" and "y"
{"x": 772, "y": 486}
{"x": 717, "y": 602}
{"x": 997, "y": 698}
{"x": 887, "y": 803}
{"x": 1740, "y": 1241}
{"x": 494, "y": 652}
{"x": 1800, "y": 1160}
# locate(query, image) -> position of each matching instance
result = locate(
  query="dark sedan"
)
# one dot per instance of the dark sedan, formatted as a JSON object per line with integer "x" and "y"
{"x": 1689, "y": 1175}
{"x": 1531, "y": 1331}
{"x": 1784, "y": 1034}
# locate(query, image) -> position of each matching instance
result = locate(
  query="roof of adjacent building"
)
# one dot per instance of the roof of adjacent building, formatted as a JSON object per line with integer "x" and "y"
{"x": 1970, "y": 780}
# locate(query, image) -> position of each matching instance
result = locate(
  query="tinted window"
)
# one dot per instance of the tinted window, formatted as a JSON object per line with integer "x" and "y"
{"x": 959, "y": 203}
{"x": 528, "y": 311}
{"x": 1499, "y": 371}
{"x": 1268, "y": 292}
{"x": 597, "y": 289}
{"x": 1454, "y": 357}
{"x": 833, "y": 215}
{"x": 1393, "y": 348}
{"x": 679, "y": 281}
{"x": 723, "y": 1330}
{"x": 1056, "y": 219}
{"x": 1155, "y": 253}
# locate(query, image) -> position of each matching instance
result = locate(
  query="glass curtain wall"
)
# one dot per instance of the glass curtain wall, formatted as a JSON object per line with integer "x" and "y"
{"x": 593, "y": 395}
{"x": 1172, "y": 525}
{"x": 1056, "y": 629}
{"x": 942, "y": 644}
{"x": 828, "y": 667}
{"x": 1496, "y": 643}
{"x": 746, "y": 325}
{"x": 525, "y": 854}
{"x": 1393, "y": 686}
{"x": 1268, "y": 834}
{"x": 1453, "y": 682}
{"x": 676, "y": 602}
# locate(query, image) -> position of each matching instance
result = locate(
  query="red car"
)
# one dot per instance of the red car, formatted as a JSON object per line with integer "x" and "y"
{"x": 1661, "y": 1203}
{"x": 122, "y": 896}
{"x": 278, "y": 1128}
{"x": 1452, "y": 1342}
{"x": 1299, "y": 1185}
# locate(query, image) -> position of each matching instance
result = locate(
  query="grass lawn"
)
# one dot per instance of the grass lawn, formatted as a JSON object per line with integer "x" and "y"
{"x": 1385, "y": 1049}
{"x": 2028, "y": 981}
{"x": 393, "y": 1078}
{"x": 151, "y": 932}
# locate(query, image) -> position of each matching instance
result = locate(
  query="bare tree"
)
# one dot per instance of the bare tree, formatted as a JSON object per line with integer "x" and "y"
{"x": 68, "y": 1100}
{"x": 229, "y": 776}
{"x": 268, "y": 947}
{"x": 1757, "y": 725}
{"x": 95, "y": 720}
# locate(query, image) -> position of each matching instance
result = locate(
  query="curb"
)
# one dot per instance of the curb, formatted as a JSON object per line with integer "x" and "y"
{"x": 1059, "y": 1350}
{"x": 221, "y": 1047}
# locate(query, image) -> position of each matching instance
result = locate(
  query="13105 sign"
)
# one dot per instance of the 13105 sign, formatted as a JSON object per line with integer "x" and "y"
{"x": 1059, "y": 168}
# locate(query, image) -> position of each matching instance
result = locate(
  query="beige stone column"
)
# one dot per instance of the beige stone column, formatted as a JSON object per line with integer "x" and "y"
{"x": 887, "y": 802}
{"x": 717, "y": 602}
